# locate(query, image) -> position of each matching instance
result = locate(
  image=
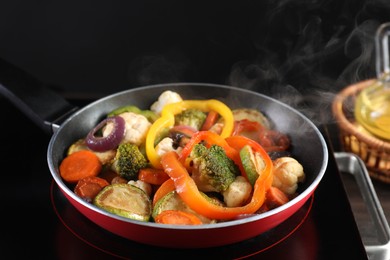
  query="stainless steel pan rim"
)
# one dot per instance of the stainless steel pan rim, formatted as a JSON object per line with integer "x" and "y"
{"x": 110, "y": 102}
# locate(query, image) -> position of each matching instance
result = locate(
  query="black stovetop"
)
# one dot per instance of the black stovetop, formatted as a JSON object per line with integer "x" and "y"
{"x": 39, "y": 223}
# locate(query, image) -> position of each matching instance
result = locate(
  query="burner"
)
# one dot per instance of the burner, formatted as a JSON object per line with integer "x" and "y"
{"x": 287, "y": 235}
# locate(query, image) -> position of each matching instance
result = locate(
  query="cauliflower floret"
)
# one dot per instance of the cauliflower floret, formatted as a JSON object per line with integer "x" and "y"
{"x": 106, "y": 156}
{"x": 136, "y": 125}
{"x": 217, "y": 128}
{"x": 167, "y": 97}
{"x": 164, "y": 146}
{"x": 287, "y": 173}
{"x": 238, "y": 192}
{"x": 146, "y": 187}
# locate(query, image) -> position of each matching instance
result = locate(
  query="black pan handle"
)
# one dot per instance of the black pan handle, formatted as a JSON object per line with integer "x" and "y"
{"x": 36, "y": 100}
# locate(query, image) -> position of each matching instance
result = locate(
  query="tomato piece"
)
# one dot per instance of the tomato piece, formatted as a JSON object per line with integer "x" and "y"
{"x": 245, "y": 125}
{"x": 153, "y": 176}
{"x": 87, "y": 188}
{"x": 273, "y": 141}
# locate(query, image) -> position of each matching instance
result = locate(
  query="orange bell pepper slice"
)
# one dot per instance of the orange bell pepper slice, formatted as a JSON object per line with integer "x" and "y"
{"x": 189, "y": 193}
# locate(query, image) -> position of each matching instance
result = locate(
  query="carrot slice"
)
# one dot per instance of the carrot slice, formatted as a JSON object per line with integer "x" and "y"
{"x": 79, "y": 165}
{"x": 210, "y": 120}
{"x": 177, "y": 217}
{"x": 164, "y": 189}
{"x": 153, "y": 176}
{"x": 275, "y": 197}
{"x": 87, "y": 188}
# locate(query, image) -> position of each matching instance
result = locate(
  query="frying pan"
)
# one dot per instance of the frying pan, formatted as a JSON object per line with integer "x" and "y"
{"x": 69, "y": 123}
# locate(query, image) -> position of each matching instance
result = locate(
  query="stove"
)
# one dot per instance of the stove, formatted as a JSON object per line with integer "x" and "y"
{"x": 42, "y": 224}
{"x": 254, "y": 44}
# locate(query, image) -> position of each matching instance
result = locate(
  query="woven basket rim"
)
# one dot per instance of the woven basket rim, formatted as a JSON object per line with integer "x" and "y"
{"x": 347, "y": 125}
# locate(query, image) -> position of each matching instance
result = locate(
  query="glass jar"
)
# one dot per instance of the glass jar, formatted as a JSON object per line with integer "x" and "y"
{"x": 372, "y": 106}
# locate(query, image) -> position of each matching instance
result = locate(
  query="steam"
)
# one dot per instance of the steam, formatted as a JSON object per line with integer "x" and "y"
{"x": 299, "y": 52}
{"x": 158, "y": 68}
{"x": 310, "y": 61}
{"x": 360, "y": 47}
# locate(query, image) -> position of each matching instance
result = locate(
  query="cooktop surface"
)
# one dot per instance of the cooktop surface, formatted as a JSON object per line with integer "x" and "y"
{"x": 42, "y": 224}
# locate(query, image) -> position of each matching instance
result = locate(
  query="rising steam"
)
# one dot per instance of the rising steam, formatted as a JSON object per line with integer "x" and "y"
{"x": 306, "y": 53}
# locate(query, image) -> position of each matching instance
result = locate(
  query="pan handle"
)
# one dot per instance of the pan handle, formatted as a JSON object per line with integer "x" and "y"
{"x": 36, "y": 100}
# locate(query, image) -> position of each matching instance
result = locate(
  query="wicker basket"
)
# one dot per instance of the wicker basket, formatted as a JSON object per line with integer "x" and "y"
{"x": 354, "y": 138}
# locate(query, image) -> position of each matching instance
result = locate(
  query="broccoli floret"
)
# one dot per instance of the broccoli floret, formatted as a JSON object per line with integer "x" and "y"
{"x": 191, "y": 117}
{"x": 212, "y": 169}
{"x": 128, "y": 161}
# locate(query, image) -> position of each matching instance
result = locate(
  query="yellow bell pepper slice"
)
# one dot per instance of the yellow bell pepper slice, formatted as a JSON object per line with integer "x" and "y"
{"x": 167, "y": 120}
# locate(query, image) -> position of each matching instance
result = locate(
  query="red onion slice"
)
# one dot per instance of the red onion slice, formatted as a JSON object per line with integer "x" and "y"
{"x": 112, "y": 140}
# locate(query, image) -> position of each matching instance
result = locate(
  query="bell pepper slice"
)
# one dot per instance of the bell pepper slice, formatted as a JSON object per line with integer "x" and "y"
{"x": 189, "y": 193}
{"x": 162, "y": 190}
{"x": 167, "y": 120}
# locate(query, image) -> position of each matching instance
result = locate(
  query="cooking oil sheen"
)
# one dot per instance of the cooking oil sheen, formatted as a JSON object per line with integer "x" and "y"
{"x": 372, "y": 109}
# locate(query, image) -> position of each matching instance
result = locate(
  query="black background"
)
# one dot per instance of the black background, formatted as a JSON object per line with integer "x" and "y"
{"x": 100, "y": 47}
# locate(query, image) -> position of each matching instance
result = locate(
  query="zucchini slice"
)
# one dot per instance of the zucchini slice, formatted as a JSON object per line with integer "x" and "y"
{"x": 125, "y": 200}
{"x": 172, "y": 201}
{"x": 252, "y": 162}
{"x": 251, "y": 115}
